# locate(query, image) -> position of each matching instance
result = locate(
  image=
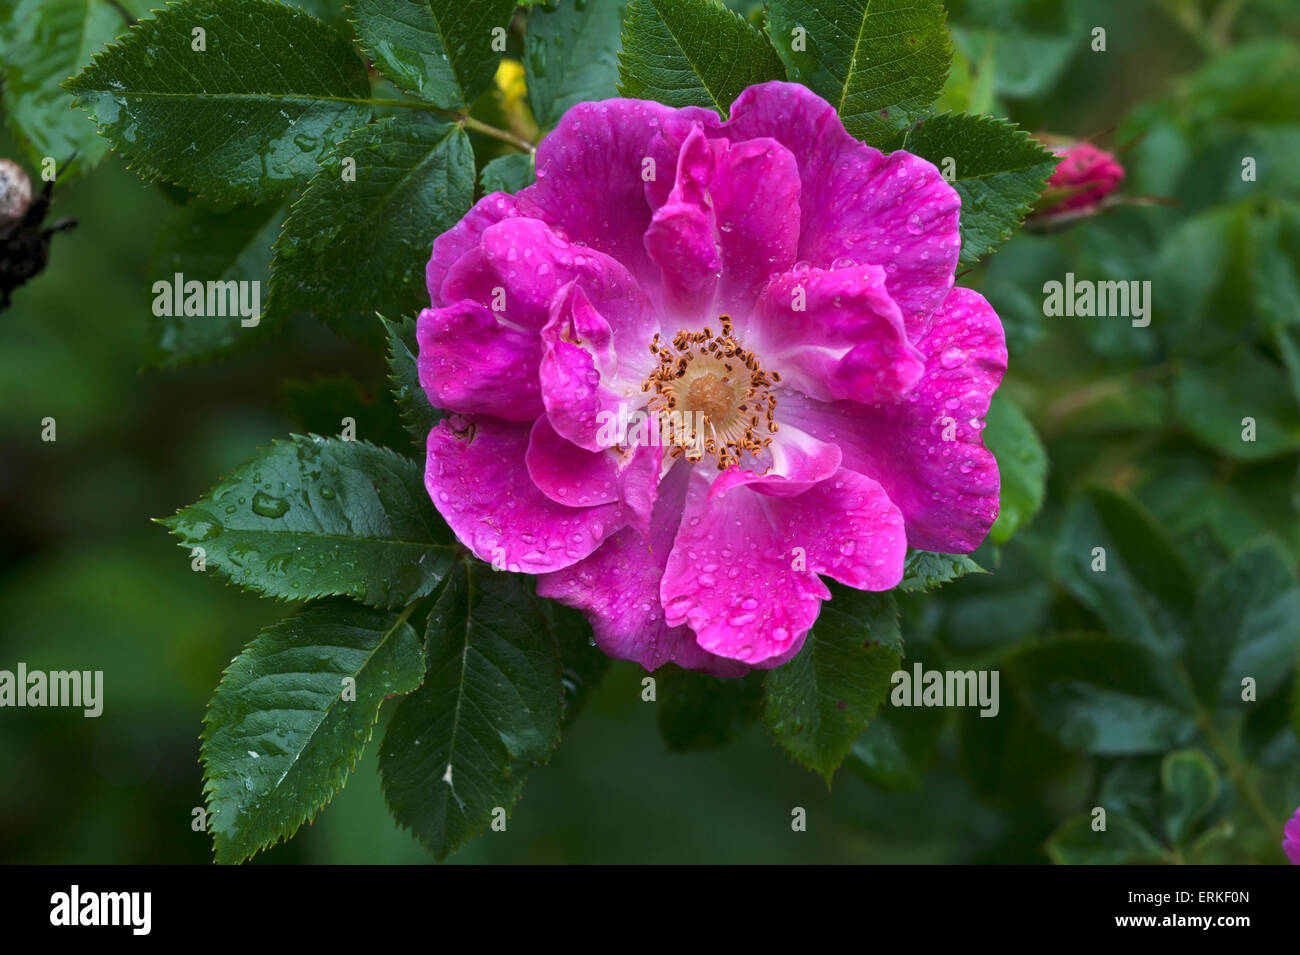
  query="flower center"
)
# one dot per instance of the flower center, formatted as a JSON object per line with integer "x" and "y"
{"x": 712, "y": 396}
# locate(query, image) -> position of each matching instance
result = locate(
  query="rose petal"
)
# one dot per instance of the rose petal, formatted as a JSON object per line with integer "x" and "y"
{"x": 585, "y": 395}
{"x": 730, "y": 221}
{"x": 836, "y": 334}
{"x": 947, "y": 487}
{"x": 894, "y": 211}
{"x": 589, "y": 179}
{"x": 469, "y": 362}
{"x": 521, "y": 265}
{"x": 617, "y": 587}
{"x": 743, "y": 573}
{"x": 568, "y": 474}
{"x": 478, "y": 479}
{"x": 793, "y": 463}
{"x": 462, "y": 238}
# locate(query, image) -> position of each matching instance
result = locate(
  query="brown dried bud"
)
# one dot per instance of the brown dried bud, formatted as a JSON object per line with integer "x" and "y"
{"x": 15, "y": 192}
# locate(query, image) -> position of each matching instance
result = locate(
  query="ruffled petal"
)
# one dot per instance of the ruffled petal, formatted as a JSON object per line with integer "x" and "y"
{"x": 1291, "y": 838}
{"x": 680, "y": 238}
{"x": 586, "y": 397}
{"x": 755, "y": 192}
{"x": 927, "y": 451}
{"x": 895, "y": 211}
{"x": 470, "y": 362}
{"x": 639, "y": 472}
{"x": 589, "y": 179}
{"x": 617, "y": 588}
{"x": 463, "y": 237}
{"x": 793, "y": 463}
{"x": 743, "y": 573}
{"x": 836, "y": 334}
{"x": 522, "y": 264}
{"x": 568, "y": 474}
{"x": 478, "y": 479}
{"x": 729, "y": 222}
{"x": 576, "y": 477}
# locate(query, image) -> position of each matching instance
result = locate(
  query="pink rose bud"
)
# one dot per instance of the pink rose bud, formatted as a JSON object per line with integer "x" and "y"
{"x": 1084, "y": 179}
{"x": 1085, "y": 167}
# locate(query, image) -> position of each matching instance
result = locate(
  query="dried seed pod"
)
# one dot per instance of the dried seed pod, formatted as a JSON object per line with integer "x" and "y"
{"x": 24, "y": 236}
{"x": 15, "y": 192}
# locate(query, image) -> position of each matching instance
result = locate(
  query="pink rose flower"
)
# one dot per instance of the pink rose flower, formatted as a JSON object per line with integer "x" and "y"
{"x": 779, "y": 298}
{"x": 1291, "y": 838}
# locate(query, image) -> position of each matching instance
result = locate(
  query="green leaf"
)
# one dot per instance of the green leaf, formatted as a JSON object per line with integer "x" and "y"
{"x": 893, "y": 752}
{"x": 1200, "y": 281}
{"x": 444, "y": 51}
{"x": 924, "y": 571}
{"x": 969, "y": 87}
{"x": 880, "y": 63}
{"x": 1131, "y": 787}
{"x": 1214, "y": 396}
{"x": 1275, "y": 266}
{"x": 1246, "y": 617}
{"x": 286, "y": 728}
{"x": 352, "y": 248}
{"x": 508, "y": 173}
{"x": 570, "y": 55}
{"x": 1008, "y": 760}
{"x": 1124, "y": 842}
{"x": 692, "y": 53}
{"x": 249, "y": 117}
{"x": 1295, "y": 705}
{"x": 1034, "y": 40}
{"x": 697, "y": 711}
{"x": 1022, "y": 464}
{"x": 1103, "y": 696}
{"x": 583, "y": 664}
{"x": 319, "y": 405}
{"x": 210, "y": 245}
{"x": 1288, "y": 346}
{"x": 312, "y": 517}
{"x": 819, "y": 703}
{"x": 1258, "y": 81}
{"x": 331, "y": 11}
{"x": 1145, "y": 593}
{"x": 1190, "y": 786}
{"x": 45, "y": 42}
{"x": 993, "y": 610}
{"x": 997, "y": 168}
{"x": 489, "y": 709}
{"x": 419, "y": 416}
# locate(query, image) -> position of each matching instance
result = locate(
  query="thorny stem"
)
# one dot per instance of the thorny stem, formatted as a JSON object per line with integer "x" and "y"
{"x": 501, "y": 134}
{"x": 1245, "y": 785}
{"x": 1074, "y": 401}
{"x": 1214, "y": 36}
{"x": 1221, "y": 23}
{"x": 1236, "y": 771}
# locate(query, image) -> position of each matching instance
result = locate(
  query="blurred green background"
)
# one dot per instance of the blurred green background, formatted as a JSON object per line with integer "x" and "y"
{"x": 88, "y": 582}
